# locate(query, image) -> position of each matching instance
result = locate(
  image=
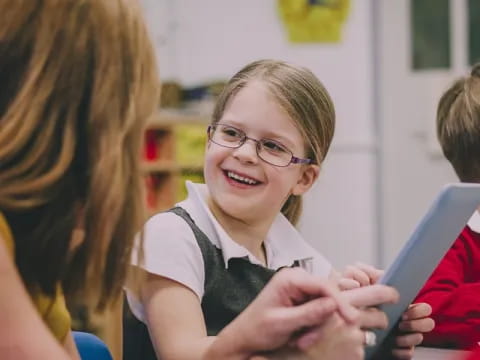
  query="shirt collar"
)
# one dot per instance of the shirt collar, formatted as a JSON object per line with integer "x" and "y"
{"x": 474, "y": 222}
{"x": 284, "y": 244}
{"x": 287, "y": 244}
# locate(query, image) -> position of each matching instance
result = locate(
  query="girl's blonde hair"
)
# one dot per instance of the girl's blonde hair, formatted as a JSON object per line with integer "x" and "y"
{"x": 299, "y": 92}
{"x": 78, "y": 81}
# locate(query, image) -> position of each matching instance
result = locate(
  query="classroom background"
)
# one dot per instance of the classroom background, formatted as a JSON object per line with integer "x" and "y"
{"x": 385, "y": 63}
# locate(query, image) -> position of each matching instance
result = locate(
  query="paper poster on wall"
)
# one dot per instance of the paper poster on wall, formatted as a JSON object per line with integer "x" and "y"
{"x": 314, "y": 21}
{"x": 473, "y": 31}
{"x": 430, "y": 34}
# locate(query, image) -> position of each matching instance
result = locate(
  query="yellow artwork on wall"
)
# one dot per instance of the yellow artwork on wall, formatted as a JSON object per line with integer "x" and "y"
{"x": 314, "y": 20}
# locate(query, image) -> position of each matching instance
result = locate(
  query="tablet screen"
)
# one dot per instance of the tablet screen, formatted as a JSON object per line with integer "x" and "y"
{"x": 419, "y": 257}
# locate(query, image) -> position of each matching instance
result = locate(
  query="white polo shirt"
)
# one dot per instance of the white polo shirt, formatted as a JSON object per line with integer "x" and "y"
{"x": 171, "y": 249}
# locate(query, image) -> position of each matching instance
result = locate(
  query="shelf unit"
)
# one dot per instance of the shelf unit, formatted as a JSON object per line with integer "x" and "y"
{"x": 174, "y": 151}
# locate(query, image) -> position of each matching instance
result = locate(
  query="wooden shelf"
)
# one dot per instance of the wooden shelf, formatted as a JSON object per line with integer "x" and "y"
{"x": 169, "y": 167}
{"x": 165, "y": 168}
{"x": 175, "y": 143}
{"x": 172, "y": 117}
{"x": 194, "y": 168}
{"x": 167, "y": 163}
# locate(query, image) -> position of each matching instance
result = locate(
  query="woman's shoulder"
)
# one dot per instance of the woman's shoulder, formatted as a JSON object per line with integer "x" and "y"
{"x": 54, "y": 312}
{"x": 51, "y": 308}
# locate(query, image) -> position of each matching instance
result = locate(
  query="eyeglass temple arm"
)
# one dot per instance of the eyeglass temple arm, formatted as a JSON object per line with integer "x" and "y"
{"x": 296, "y": 160}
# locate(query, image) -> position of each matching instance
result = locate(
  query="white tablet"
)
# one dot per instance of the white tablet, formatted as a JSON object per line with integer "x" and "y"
{"x": 432, "y": 238}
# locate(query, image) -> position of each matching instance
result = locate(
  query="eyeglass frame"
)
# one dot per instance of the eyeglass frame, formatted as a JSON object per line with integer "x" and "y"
{"x": 258, "y": 145}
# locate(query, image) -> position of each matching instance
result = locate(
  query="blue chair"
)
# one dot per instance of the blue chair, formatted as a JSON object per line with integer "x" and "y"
{"x": 91, "y": 347}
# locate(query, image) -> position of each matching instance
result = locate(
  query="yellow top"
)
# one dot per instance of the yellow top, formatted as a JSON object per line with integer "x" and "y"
{"x": 52, "y": 310}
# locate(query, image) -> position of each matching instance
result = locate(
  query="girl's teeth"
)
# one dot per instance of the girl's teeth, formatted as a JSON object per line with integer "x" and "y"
{"x": 232, "y": 175}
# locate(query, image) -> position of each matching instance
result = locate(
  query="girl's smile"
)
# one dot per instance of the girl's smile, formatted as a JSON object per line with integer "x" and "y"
{"x": 241, "y": 180}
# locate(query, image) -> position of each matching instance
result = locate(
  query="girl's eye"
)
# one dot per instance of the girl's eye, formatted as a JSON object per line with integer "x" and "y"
{"x": 273, "y": 146}
{"x": 230, "y": 132}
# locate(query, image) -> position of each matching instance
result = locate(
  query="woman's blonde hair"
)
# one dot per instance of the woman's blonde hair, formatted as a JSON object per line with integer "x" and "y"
{"x": 78, "y": 83}
{"x": 299, "y": 92}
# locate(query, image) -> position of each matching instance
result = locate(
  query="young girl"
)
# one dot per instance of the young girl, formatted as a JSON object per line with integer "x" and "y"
{"x": 209, "y": 257}
{"x": 78, "y": 81}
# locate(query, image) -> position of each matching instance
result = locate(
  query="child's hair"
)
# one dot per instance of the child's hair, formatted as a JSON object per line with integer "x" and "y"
{"x": 458, "y": 126}
{"x": 78, "y": 81}
{"x": 299, "y": 92}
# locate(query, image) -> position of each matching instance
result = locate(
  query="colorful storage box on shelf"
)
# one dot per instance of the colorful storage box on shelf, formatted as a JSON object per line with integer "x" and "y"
{"x": 158, "y": 145}
{"x": 174, "y": 152}
{"x": 190, "y": 145}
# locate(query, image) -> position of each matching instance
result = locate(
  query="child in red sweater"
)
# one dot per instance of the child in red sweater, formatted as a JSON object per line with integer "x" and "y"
{"x": 453, "y": 290}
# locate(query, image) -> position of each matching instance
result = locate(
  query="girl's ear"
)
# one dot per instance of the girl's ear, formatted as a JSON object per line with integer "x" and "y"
{"x": 308, "y": 175}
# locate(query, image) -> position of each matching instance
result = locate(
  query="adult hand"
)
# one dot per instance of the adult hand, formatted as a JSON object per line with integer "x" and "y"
{"x": 292, "y": 301}
{"x": 338, "y": 341}
{"x": 334, "y": 338}
{"x": 364, "y": 299}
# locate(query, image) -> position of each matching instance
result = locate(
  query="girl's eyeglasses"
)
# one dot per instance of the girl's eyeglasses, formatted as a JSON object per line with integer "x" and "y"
{"x": 268, "y": 150}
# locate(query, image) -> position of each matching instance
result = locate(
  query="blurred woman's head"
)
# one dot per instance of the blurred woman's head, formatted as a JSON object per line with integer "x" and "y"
{"x": 78, "y": 81}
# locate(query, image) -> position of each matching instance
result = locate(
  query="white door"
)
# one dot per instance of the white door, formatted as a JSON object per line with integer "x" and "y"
{"x": 412, "y": 168}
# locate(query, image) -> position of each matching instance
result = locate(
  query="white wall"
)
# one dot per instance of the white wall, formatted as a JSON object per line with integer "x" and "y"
{"x": 385, "y": 166}
{"x": 211, "y": 39}
{"x": 413, "y": 170}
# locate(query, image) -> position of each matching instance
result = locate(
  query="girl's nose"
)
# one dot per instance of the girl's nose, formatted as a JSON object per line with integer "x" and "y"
{"x": 247, "y": 153}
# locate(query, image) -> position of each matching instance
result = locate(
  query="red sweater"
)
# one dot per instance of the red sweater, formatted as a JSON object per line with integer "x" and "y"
{"x": 453, "y": 291}
{"x": 473, "y": 356}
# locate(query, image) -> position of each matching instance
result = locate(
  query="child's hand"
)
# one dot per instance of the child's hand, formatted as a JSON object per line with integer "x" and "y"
{"x": 358, "y": 275}
{"x": 415, "y": 321}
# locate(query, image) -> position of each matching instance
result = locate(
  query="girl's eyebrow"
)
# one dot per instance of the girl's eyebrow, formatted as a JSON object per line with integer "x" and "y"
{"x": 231, "y": 122}
{"x": 268, "y": 134}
